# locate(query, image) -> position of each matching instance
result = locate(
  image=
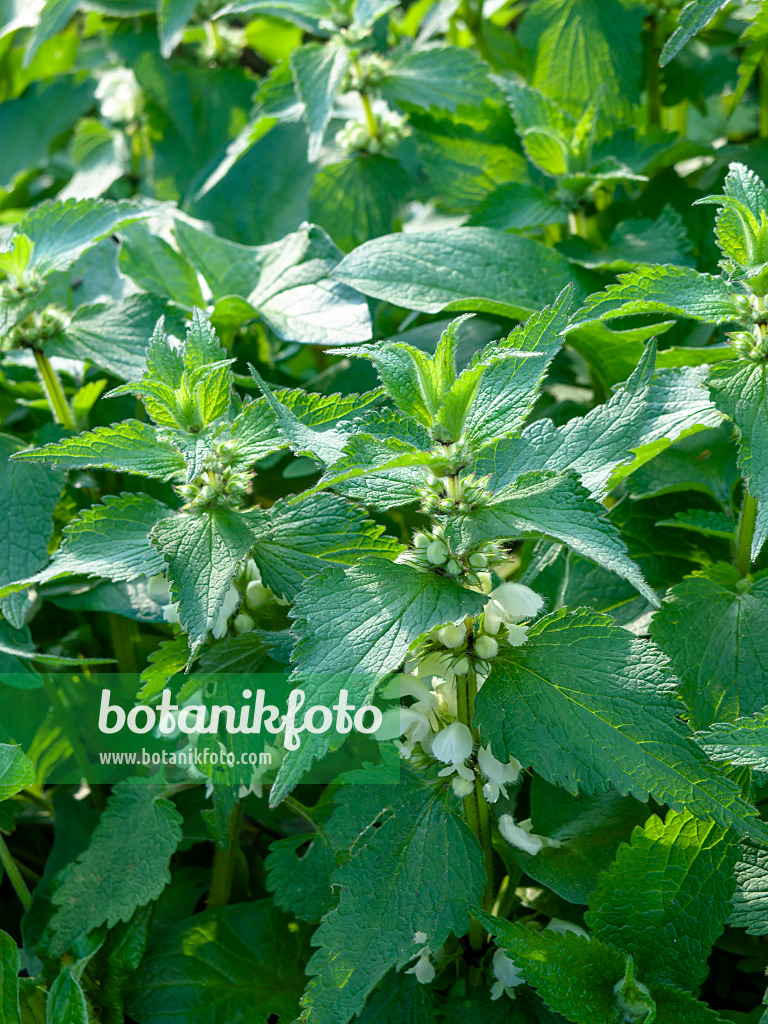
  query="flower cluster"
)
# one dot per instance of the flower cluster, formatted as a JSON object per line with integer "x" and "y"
{"x": 431, "y": 551}
{"x": 119, "y": 95}
{"x": 454, "y": 493}
{"x": 36, "y": 328}
{"x": 382, "y": 135}
{"x": 247, "y": 593}
{"x": 221, "y": 483}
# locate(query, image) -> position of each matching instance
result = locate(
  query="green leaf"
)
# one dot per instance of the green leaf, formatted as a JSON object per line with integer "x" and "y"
{"x": 304, "y": 13}
{"x": 355, "y": 628}
{"x": 318, "y": 71}
{"x": 669, "y": 926}
{"x": 740, "y": 390}
{"x": 301, "y": 879}
{"x": 9, "y": 981}
{"x": 52, "y": 19}
{"x": 287, "y": 282}
{"x": 201, "y": 552}
{"x": 16, "y": 771}
{"x": 589, "y": 829}
{"x": 173, "y": 17}
{"x": 586, "y": 48}
{"x": 693, "y": 18}
{"x": 109, "y": 540}
{"x": 112, "y": 335}
{"x": 588, "y": 706}
{"x": 422, "y": 847}
{"x": 741, "y": 742}
{"x": 18, "y": 644}
{"x": 554, "y": 505}
{"x": 592, "y": 445}
{"x": 157, "y": 268}
{"x": 508, "y": 389}
{"x": 224, "y": 966}
{"x": 128, "y": 447}
{"x": 639, "y": 241}
{"x": 400, "y": 997}
{"x": 714, "y": 629}
{"x": 62, "y": 231}
{"x": 437, "y": 76}
{"x": 679, "y": 290}
{"x": 459, "y": 268}
{"x": 133, "y": 841}
{"x": 703, "y": 521}
{"x": 750, "y": 900}
{"x": 170, "y": 658}
{"x": 28, "y": 496}
{"x": 66, "y": 999}
{"x": 294, "y": 542}
{"x": 513, "y": 207}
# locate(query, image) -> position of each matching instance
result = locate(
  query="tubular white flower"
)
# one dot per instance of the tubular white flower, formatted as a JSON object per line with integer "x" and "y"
{"x": 499, "y": 775}
{"x": 519, "y": 835}
{"x": 453, "y": 745}
{"x": 158, "y": 589}
{"x": 509, "y": 604}
{"x": 171, "y": 612}
{"x": 507, "y": 975}
{"x": 228, "y": 605}
{"x": 119, "y": 94}
{"x": 517, "y": 635}
{"x": 423, "y": 968}
{"x": 256, "y": 594}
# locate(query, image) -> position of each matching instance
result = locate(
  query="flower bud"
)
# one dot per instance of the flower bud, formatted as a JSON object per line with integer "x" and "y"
{"x": 421, "y": 540}
{"x": 462, "y": 787}
{"x": 452, "y": 636}
{"x": 461, "y": 667}
{"x": 453, "y": 567}
{"x": 486, "y": 647}
{"x": 256, "y": 594}
{"x": 478, "y": 560}
{"x": 243, "y": 623}
{"x": 437, "y": 552}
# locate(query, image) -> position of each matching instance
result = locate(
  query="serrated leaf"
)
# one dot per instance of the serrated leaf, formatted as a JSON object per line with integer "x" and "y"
{"x": 639, "y": 241}
{"x": 66, "y": 999}
{"x": 750, "y": 900}
{"x": 201, "y": 553}
{"x": 158, "y": 268}
{"x": 287, "y": 283}
{"x": 109, "y": 540}
{"x": 592, "y": 445}
{"x": 225, "y": 965}
{"x": 356, "y": 627}
{"x": 661, "y": 289}
{"x": 668, "y": 925}
{"x": 476, "y": 269}
{"x": 291, "y": 543}
{"x": 301, "y": 879}
{"x": 133, "y": 841}
{"x": 28, "y": 496}
{"x": 304, "y": 13}
{"x": 740, "y": 390}
{"x": 554, "y": 505}
{"x": 421, "y": 847}
{"x": 16, "y": 771}
{"x": 318, "y": 71}
{"x": 9, "y": 981}
{"x": 588, "y": 706}
{"x": 112, "y": 335}
{"x": 741, "y": 742}
{"x": 128, "y": 447}
{"x": 507, "y": 390}
{"x": 63, "y": 231}
{"x": 715, "y": 632}
{"x": 585, "y": 48}
{"x": 703, "y": 521}
{"x": 437, "y": 76}
{"x": 693, "y": 18}
{"x": 170, "y": 658}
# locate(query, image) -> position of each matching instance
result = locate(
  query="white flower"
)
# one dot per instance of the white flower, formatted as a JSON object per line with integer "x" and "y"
{"x": 228, "y": 605}
{"x": 403, "y": 685}
{"x": 447, "y": 697}
{"x": 119, "y": 95}
{"x": 486, "y": 647}
{"x": 243, "y": 623}
{"x": 507, "y": 975}
{"x": 519, "y": 834}
{"x": 561, "y": 927}
{"x": 509, "y": 604}
{"x": 517, "y": 635}
{"x": 171, "y": 612}
{"x": 423, "y": 968}
{"x": 461, "y": 667}
{"x": 256, "y": 594}
{"x": 437, "y": 552}
{"x": 435, "y": 664}
{"x": 452, "y": 746}
{"x": 406, "y": 722}
{"x": 499, "y": 775}
{"x": 158, "y": 589}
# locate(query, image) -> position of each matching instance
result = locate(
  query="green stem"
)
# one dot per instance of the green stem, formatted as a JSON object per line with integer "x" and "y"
{"x": 224, "y": 862}
{"x": 473, "y": 19}
{"x": 64, "y": 719}
{"x": 12, "y": 870}
{"x": 746, "y": 530}
{"x": 577, "y": 222}
{"x": 476, "y": 809}
{"x": 53, "y": 389}
{"x": 370, "y": 120}
{"x": 126, "y": 640}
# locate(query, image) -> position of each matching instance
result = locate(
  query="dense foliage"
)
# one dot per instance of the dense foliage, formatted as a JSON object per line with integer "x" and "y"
{"x": 245, "y": 435}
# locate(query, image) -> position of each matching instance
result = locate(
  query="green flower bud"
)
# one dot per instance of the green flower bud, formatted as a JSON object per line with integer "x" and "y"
{"x": 243, "y": 623}
{"x": 437, "y": 552}
{"x": 452, "y": 636}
